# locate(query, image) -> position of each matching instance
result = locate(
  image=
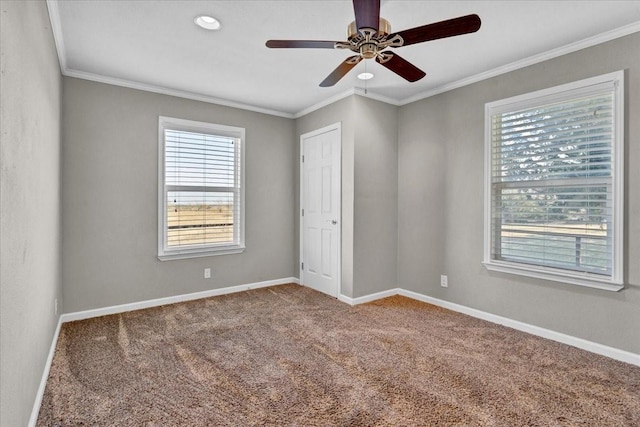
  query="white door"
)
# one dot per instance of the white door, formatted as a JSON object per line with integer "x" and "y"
{"x": 320, "y": 209}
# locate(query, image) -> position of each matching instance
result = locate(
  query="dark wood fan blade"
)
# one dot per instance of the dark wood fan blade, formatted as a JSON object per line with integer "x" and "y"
{"x": 439, "y": 30}
{"x": 402, "y": 67}
{"x": 341, "y": 71}
{"x": 367, "y": 13}
{"x": 301, "y": 44}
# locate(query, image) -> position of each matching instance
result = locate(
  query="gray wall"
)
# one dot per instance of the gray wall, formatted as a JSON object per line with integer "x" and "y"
{"x": 30, "y": 279}
{"x": 412, "y": 205}
{"x": 338, "y": 112}
{"x": 369, "y": 190}
{"x": 441, "y": 204}
{"x": 109, "y": 198}
{"x": 375, "y": 197}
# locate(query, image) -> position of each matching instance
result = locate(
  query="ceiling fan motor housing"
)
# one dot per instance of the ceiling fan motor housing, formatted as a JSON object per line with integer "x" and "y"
{"x": 384, "y": 29}
{"x": 369, "y": 36}
{"x": 367, "y": 41}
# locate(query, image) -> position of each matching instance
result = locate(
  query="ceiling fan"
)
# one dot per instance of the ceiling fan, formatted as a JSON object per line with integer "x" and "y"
{"x": 370, "y": 35}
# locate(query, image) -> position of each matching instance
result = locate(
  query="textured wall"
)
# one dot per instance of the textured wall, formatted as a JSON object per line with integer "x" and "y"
{"x": 426, "y": 155}
{"x": 441, "y": 143}
{"x": 369, "y": 190}
{"x": 30, "y": 279}
{"x": 338, "y": 112}
{"x": 110, "y": 195}
{"x": 376, "y": 197}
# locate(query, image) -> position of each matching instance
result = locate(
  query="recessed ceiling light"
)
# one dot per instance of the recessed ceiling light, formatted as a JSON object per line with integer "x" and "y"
{"x": 365, "y": 76}
{"x": 207, "y": 22}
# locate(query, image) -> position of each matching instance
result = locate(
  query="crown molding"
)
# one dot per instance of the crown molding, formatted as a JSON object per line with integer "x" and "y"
{"x": 366, "y": 94}
{"x": 173, "y": 92}
{"x": 353, "y": 91}
{"x": 535, "y": 59}
{"x": 324, "y": 103}
{"x": 56, "y": 28}
{"x": 54, "y": 17}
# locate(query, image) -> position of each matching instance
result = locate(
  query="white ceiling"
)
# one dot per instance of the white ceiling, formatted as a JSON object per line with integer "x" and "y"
{"x": 154, "y": 45}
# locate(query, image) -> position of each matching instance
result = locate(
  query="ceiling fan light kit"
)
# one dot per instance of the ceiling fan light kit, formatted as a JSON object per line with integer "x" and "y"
{"x": 365, "y": 76}
{"x": 370, "y": 35}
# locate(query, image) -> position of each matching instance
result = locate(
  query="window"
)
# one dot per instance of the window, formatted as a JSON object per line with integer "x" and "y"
{"x": 201, "y": 189}
{"x": 554, "y": 183}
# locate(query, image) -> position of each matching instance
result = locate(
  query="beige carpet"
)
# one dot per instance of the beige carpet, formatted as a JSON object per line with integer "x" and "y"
{"x": 288, "y": 355}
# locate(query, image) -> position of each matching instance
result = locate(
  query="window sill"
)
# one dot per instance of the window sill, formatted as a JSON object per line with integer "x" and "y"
{"x": 580, "y": 279}
{"x": 201, "y": 253}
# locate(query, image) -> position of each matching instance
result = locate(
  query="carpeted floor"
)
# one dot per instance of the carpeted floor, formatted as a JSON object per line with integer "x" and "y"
{"x": 290, "y": 356}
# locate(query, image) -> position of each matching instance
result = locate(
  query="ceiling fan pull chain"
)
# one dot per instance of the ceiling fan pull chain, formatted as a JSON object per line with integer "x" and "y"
{"x": 365, "y": 81}
{"x": 369, "y": 35}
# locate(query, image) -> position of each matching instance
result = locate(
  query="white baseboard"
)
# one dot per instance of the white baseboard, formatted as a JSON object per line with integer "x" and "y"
{"x": 593, "y": 347}
{"x": 86, "y": 314}
{"x": 368, "y": 298}
{"x": 45, "y": 374}
{"x": 603, "y": 350}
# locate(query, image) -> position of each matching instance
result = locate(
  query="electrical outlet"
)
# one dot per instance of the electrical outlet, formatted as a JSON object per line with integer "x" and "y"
{"x": 207, "y": 273}
{"x": 444, "y": 281}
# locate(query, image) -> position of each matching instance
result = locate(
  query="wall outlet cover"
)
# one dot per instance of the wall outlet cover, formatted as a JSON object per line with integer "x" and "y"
{"x": 444, "y": 281}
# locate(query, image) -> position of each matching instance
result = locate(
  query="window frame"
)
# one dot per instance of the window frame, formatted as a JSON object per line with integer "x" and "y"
{"x": 164, "y": 252}
{"x": 613, "y": 282}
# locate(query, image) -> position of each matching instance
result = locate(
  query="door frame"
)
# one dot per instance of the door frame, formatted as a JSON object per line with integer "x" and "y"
{"x": 338, "y": 127}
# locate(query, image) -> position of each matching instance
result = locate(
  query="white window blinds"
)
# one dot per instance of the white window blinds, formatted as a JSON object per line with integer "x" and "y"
{"x": 553, "y": 185}
{"x": 202, "y": 191}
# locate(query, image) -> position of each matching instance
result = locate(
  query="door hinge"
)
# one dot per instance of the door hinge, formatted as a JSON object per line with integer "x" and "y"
{"x": 302, "y": 266}
{"x": 303, "y": 158}
{"x": 302, "y": 212}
